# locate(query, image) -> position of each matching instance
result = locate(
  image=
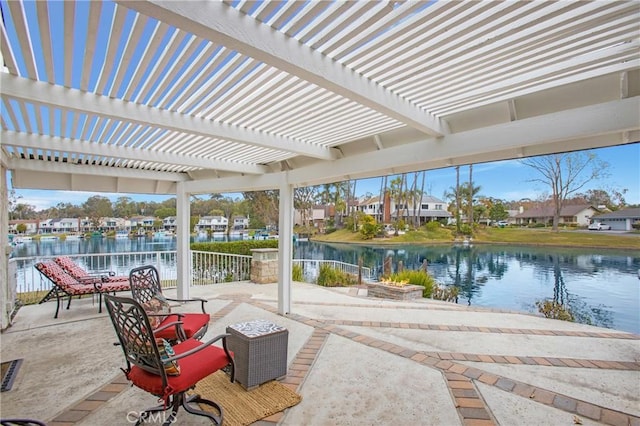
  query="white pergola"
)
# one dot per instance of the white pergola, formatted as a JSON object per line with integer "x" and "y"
{"x": 187, "y": 97}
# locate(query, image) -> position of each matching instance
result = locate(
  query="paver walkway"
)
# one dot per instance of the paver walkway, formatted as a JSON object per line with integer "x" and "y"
{"x": 462, "y": 373}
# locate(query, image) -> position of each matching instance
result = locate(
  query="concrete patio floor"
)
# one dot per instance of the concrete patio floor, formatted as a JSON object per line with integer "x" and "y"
{"x": 355, "y": 361}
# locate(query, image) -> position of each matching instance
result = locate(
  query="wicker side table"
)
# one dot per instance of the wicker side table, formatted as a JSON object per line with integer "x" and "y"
{"x": 260, "y": 351}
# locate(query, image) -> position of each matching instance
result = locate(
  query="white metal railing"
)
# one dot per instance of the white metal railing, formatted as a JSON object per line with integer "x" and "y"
{"x": 206, "y": 267}
{"x": 311, "y": 268}
{"x": 212, "y": 268}
{"x": 28, "y": 279}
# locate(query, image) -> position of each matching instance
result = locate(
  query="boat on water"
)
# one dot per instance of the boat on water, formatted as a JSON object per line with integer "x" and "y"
{"x": 16, "y": 241}
{"x": 73, "y": 237}
{"x": 163, "y": 234}
{"x": 49, "y": 238}
{"x": 122, "y": 235}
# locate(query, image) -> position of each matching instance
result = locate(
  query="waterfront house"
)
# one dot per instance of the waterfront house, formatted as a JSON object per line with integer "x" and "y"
{"x": 169, "y": 223}
{"x": 240, "y": 222}
{"x": 144, "y": 222}
{"x": 371, "y": 206}
{"x": 578, "y": 214}
{"x": 428, "y": 209}
{"x": 212, "y": 223}
{"x": 619, "y": 220}
{"x": 31, "y": 226}
{"x": 112, "y": 223}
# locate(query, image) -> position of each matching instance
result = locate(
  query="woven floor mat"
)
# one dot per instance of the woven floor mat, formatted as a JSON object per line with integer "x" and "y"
{"x": 242, "y": 407}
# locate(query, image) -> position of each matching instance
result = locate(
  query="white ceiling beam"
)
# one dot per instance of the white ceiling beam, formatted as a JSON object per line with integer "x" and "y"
{"x": 492, "y": 143}
{"x": 103, "y": 106}
{"x": 42, "y": 142}
{"x": 222, "y": 24}
{"x": 75, "y": 182}
{"x": 19, "y": 164}
{"x": 581, "y": 128}
{"x": 236, "y": 184}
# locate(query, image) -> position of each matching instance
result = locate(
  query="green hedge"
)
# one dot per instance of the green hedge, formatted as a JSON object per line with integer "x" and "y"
{"x": 234, "y": 247}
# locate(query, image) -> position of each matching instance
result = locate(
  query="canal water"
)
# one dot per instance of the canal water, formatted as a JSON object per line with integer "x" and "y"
{"x": 601, "y": 287}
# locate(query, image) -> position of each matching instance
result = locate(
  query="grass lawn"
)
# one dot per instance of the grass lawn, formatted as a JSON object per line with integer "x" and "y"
{"x": 516, "y": 236}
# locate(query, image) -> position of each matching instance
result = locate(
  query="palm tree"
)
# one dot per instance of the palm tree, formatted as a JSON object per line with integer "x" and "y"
{"x": 470, "y": 195}
{"x": 457, "y": 193}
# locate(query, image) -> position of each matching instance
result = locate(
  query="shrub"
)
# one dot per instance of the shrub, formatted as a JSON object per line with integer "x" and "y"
{"x": 368, "y": 227}
{"x": 432, "y": 226}
{"x": 536, "y": 225}
{"x": 554, "y": 310}
{"x": 297, "y": 273}
{"x": 234, "y": 247}
{"x": 419, "y": 277}
{"x": 331, "y": 277}
{"x": 466, "y": 229}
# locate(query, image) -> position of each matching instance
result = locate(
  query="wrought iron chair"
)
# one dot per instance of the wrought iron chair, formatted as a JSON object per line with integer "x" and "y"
{"x": 149, "y": 369}
{"x": 146, "y": 290}
{"x": 21, "y": 422}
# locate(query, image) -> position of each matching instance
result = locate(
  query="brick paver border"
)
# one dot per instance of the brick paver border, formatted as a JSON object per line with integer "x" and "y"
{"x": 459, "y": 378}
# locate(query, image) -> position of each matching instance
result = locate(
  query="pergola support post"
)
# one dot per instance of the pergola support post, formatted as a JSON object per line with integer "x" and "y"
{"x": 285, "y": 247}
{"x": 183, "y": 255}
{"x": 7, "y": 304}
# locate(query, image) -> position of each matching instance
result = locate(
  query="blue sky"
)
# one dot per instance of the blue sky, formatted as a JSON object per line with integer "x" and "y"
{"x": 508, "y": 180}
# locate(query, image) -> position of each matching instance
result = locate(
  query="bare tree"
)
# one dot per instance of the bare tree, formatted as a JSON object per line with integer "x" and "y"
{"x": 303, "y": 199}
{"x": 566, "y": 174}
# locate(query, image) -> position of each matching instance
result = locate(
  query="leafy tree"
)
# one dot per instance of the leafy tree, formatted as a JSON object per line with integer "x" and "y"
{"x": 65, "y": 210}
{"x": 264, "y": 205}
{"x": 612, "y": 198}
{"x": 21, "y": 228}
{"x": 98, "y": 207}
{"x": 497, "y": 212}
{"x": 165, "y": 212}
{"x": 565, "y": 174}
{"x": 22, "y": 211}
{"x": 124, "y": 207}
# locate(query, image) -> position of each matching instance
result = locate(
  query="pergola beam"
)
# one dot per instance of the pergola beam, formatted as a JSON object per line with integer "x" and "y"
{"x": 223, "y": 25}
{"x": 102, "y": 106}
{"x": 576, "y": 129}
{"x": 49, "y": 143}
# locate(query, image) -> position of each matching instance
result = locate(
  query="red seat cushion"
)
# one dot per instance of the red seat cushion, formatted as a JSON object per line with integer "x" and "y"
{"x": 109, "y": 287}
{"x": 191, "y": 323}
{"x": 193, "y": 368}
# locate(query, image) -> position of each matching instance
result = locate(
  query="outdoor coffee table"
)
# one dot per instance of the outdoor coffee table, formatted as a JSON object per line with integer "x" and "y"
{"x": 260, "y": 351}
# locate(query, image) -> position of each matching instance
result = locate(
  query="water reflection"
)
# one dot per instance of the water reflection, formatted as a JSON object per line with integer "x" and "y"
{"x": 601, "y": 287}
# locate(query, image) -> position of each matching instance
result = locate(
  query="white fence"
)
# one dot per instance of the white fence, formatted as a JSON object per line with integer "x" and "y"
{"x": 206, "y": 267}
{"x": 212, "y": 268}
{"x": 220, "y": 267}
{"x": 311, "y": 268}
